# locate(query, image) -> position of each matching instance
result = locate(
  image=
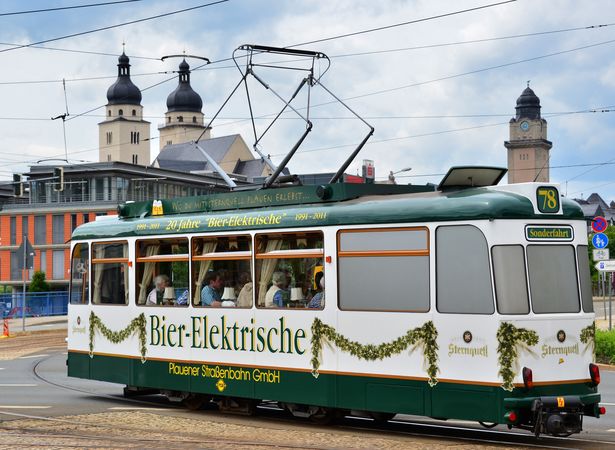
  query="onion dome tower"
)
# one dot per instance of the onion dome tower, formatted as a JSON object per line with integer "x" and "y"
{"x": 124, "y": 135}
{"x": 183, "y": 119}
{"x": 528, "y": 147}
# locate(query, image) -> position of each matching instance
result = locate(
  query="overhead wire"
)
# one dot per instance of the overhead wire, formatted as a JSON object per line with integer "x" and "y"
{"x": 63, "y": 8}
{"x": 401, "y": 24}
{"x": 109, "y": 27}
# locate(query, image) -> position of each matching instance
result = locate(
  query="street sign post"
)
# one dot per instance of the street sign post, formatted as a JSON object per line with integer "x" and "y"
{"x": 599, "y": 224}
{"x": 600, "y": 240}
{"x": 606, "y": 266}
{"x": 601, "y": 254}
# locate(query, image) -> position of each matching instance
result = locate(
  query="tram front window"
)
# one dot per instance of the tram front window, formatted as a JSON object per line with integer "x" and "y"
{"x": 110, "y": 273}
{"x": 79, "y": 292}
{"x": 553, "y": 278}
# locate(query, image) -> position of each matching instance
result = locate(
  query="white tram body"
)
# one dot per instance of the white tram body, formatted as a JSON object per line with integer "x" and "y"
{"x": 471, "y": 304}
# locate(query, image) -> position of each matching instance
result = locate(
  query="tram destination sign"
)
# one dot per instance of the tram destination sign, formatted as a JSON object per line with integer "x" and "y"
{"x": 606, "y": 266}
{"x": 548, "y": 233}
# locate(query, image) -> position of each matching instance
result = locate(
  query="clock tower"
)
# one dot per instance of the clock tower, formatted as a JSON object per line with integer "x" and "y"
{"x": 528, "y": 147}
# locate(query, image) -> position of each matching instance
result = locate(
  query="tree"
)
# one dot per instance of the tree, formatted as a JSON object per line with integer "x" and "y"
{"x": 38, "y": 283}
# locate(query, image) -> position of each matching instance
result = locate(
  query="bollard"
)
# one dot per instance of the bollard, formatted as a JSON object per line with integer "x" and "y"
{"x": 5, "y": 329}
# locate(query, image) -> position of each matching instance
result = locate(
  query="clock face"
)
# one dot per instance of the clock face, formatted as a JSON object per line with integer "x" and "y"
{"x": 524, "y": 126}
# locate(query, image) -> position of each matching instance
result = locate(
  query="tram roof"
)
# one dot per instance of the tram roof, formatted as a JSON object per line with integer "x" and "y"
{"x": 314, "y": 206}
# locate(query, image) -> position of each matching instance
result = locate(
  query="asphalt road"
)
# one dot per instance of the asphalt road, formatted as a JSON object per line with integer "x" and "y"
{"x": 37, "y": 385}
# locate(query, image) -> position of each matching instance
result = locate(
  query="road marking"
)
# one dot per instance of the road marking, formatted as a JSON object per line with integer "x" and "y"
{"x": 22, "y": 407}
{"x": 32, "y": 356}
{"x": 137, "y": 408}
{"x": 17, "y": 385}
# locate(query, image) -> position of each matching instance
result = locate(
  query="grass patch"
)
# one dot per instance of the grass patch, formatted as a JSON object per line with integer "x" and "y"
{"x": 605, "y": 346}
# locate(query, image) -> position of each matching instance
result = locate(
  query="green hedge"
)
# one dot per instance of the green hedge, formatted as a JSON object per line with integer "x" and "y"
{"x": 605, "y": 346}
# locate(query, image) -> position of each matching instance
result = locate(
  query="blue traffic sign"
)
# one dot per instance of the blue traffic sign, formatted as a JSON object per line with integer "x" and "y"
{"x": 600, "y": 240}
{"x": 599, "y": 224}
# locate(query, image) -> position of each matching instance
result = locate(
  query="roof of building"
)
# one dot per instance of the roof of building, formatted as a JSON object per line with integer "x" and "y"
{"x": 184, "y": 98}
{"x": 186, "y": 156}
{"x": 595, "y": 198}
{"x": 528, "y": 104}
{"x": 123, "y": 91}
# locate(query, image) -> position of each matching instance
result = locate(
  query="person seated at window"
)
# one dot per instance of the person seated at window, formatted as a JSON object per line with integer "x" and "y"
{"x": 318, "y": 301}
{"x": 210, "y": 294}
{"x": 275, "y": 295}
{"x": 244, "y": 299}
{"x": 155, "y": 297}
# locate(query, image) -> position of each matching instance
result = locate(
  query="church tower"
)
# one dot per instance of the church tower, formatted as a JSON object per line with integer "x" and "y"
{"x": 124, "y": 135}
{"x": 183, "y": 119}
{"x": 528, "y": 147}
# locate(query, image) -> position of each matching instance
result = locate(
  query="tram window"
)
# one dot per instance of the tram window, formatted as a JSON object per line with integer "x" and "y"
{"x": 287, "y": 265}
{"x": 162, "y": 272}
{"x": 79, "y": 292}
{"x": 462, "y": 270}
{"x": 110, "y": 273}
{"x": 227, "y": 259}
{"x": 585, "y": 278}
{"x": 384, "y": 270}
{"x": 510, "y": 279}
{"x": 553, "y": 278}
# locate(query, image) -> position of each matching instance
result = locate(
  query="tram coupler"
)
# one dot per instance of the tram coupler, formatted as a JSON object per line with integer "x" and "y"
{"x": 557, "y": 416}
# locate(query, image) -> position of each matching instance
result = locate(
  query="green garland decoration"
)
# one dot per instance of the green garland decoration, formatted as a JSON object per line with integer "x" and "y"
{"x": 425, "y": 336}
{"x": 509, "y": 337}
{"x": 137, "y": 325}
{"x": 588, "y": 335}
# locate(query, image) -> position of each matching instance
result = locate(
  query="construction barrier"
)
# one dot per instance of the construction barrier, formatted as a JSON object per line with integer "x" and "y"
{"x": 5, "y": 329}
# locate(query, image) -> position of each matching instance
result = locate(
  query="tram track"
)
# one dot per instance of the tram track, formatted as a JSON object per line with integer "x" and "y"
{"x": 269, "y": 414}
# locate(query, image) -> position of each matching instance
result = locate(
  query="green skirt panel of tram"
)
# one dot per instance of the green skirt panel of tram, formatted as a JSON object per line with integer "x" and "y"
{"x": 487, "y": 403}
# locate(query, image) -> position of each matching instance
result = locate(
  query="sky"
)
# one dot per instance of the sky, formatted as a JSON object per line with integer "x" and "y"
{"x": 438, "y": 85}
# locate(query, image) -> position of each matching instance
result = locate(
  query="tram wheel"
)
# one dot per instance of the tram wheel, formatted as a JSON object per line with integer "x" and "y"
{"x": 323, "y": 416}
{"x": 487, "y": 425}
{"x": 194, "y": 402}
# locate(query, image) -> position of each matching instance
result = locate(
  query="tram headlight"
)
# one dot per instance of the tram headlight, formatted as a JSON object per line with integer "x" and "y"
{"x": 528, "y": 378}
{"x": 594, "y": 373}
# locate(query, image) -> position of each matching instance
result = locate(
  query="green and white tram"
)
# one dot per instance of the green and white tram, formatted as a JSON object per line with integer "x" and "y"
{"x": 470, "y": 301}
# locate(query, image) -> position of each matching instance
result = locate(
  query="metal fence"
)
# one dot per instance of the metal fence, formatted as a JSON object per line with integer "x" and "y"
{"x": 36, "y": 304}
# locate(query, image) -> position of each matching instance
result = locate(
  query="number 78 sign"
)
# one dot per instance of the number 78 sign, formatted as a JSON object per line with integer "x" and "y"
{"x": 547, "y": 199}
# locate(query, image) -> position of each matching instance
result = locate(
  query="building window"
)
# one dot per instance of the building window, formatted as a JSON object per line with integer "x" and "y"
{"x": 86, "y": 218}
{"x": 169, "y": 142}
{"x": 109, "y": 137}
{"x": 135, "y": 159}
{"x": 180, "y": 118}
{"x": 120, "y": 112}
{"x": 138, "y": 137}
{"x": 57, "y": 227}
{"x": 110, "y": 273}
{"x": 24, "y": 226}
{"x": 397, "y": 258}
{"x": 43, "y": 265}
{"x": 40, "y": 230}
{"x": 15, "y": 269}
{"x": 109, "y": 113}
{"x": 79, "y": 275}
{"x": 134, "y": 112}
{"x": 57, "y": 272}
{"x": 13, "y": 230}
{"x": 108, "y": 158}
{"x": 73, "y": 222}
{"x": 193, "y": 119}
{"x": 169, "y": 119}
